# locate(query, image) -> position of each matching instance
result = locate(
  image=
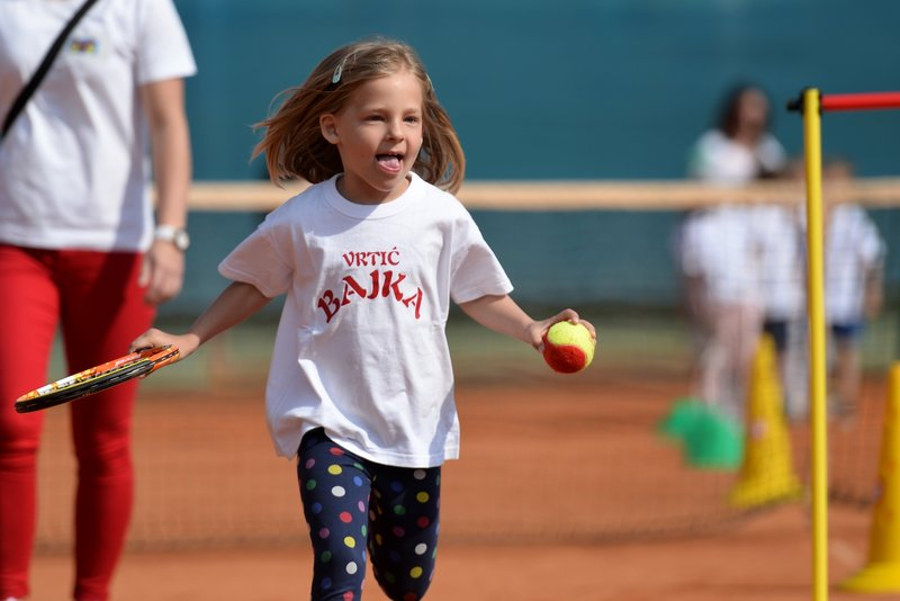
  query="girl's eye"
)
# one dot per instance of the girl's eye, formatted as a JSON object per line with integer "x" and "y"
{"x": 412, "y": 120}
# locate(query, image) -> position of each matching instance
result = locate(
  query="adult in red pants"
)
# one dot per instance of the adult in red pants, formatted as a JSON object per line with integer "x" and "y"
{"x": 81, "y": 251}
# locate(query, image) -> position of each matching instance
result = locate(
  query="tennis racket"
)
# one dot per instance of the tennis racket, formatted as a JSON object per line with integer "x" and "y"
{"x": 138, "y": 364}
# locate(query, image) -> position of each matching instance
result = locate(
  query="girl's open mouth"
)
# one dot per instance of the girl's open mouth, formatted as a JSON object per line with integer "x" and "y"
{"x": 390, "y": 161}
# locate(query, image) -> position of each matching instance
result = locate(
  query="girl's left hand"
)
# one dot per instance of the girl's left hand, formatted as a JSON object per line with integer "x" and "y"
{"x": 537, "y": 329}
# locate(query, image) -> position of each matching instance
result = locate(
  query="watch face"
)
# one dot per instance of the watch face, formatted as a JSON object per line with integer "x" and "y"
{"x": 181, "y": 240}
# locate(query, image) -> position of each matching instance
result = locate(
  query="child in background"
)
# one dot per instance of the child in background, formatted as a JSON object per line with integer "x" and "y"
{"x": 854, "y": 259}
{"x": 720, "y": 268}
{"x": 780, "y": 234}
{"x": 360, "y": 387}
{"x": 717, "y": 250}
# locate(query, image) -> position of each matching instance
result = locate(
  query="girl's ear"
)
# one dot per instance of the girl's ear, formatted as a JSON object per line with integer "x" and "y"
{"x": 328, "y": 126}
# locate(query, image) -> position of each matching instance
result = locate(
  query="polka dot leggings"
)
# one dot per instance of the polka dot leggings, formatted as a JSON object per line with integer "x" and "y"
{"x": 352, "y": 504}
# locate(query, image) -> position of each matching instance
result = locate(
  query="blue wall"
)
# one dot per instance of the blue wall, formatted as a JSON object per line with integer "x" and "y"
{"x": 569, "y": 89}
{"x": 579, "y": 89}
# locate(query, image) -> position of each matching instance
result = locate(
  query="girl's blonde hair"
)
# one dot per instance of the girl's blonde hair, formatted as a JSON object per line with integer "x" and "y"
{"x": 293, "y": 141}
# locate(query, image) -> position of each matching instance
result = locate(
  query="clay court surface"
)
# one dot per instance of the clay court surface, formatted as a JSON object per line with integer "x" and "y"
{"x": 563, "y": 492}
{"x": 765, "y": 560}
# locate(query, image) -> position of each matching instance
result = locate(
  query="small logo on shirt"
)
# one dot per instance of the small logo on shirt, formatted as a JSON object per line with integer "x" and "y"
{"x": 378, "y": 283}
{"x": 84, "y": 46}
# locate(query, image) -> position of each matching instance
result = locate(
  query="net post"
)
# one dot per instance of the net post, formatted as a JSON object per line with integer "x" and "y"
{"x": 811, "y": 108}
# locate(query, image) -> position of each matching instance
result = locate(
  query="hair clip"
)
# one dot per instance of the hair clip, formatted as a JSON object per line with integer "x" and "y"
{"x": 336, "y": 77}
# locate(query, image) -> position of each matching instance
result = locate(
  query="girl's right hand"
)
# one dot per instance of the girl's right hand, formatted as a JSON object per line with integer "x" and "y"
{"x": 185, "y": 343}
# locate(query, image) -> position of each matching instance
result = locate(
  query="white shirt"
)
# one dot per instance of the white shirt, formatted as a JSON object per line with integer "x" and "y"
{"x": 718, "y": 159}
{"x": 74, "y": 171}
{"x": 779, "y": 231}
{"x": 852, "y": 247}
{"x": 718, "y": 246}
{"x": 361, "y": 348}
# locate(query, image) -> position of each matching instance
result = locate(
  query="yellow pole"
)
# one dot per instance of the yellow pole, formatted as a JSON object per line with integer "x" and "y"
{"x": 812, "y": 139}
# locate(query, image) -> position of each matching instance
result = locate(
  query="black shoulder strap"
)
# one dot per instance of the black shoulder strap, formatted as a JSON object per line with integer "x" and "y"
{"x": 23, "y": 97}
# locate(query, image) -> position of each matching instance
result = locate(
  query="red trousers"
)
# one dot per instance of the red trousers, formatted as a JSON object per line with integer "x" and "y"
{"x": 94, "y": 298}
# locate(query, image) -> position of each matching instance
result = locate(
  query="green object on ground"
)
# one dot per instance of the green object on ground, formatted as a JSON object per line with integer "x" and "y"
{"x": 682, "y": 417}
{"x": 714, "y": 441}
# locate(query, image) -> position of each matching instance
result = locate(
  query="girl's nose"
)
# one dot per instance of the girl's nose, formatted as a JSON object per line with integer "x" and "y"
{"x": 395, "y": 130}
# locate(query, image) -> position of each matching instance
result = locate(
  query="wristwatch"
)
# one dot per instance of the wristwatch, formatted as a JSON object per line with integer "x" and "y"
{"x": 176, "y": 235}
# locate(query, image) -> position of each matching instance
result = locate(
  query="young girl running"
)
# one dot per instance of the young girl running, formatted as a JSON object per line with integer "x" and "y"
{"x": 360, "y": 386}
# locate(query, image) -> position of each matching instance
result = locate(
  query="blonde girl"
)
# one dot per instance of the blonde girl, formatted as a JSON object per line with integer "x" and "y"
{"x": 360, "y": 387}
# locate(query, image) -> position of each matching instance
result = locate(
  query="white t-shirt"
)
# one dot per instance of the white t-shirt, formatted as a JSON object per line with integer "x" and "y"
{"x": 720, "y": 243}
{"x": 74, "y": 170}
{"x": 779, "y": 231}
{"x": 361, "y": 348}
{"x": 718, "y": 246}
{"x": 717, "y": 159}
{"x": 852, "y": 247}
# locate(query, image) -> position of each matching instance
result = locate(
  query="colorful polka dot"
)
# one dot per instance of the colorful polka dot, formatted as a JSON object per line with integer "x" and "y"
{"x": 326, "y": 556}
{"x": 399, "y": 532}
{"x": 336, "y": 451}
{"x": 399, "y": 510}
{"x": 423, "y": 497}
{"x": 338, "y": 491}
{"x": 349, "y": 596}
{"x": 310, "y": 462}
{"x": 396, "y": 486}
{"x": 423, "y": 522}
{"x": 352, "y": 568}
{"x": 316, "y": 508}
{"x": 362, "y": 507}
{"x": 326, "y": 583}
{"x": 419, "y": 474}
{"x": 364, "y": 530}
{"x": 324, "y": 533}
{"x": 345, "y": 517}
{"x": 357, "y": 481}
{"x": 416, "y": 572}
{"x": 310, "y": 484}
{"x": 335, "y": 470}
{"x": 421, "y": 548}
{"x": 350, "y": 542}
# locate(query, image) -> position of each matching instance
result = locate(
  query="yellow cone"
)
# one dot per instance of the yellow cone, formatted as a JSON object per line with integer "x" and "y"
{"x": 882, "y": 573}
{"x": 767, "y": 472}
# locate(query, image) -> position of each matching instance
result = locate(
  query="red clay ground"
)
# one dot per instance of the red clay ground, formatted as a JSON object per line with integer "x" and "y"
{"x": 579, "y": 465}
{"x": 767, "y": 559}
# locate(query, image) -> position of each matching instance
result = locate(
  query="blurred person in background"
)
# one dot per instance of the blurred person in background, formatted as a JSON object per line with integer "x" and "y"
{"x": 718, "y": 252}
{"x": 854, "y": 283}
{"x": 79, "y": 248}
{"x": 779, "y": 231}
